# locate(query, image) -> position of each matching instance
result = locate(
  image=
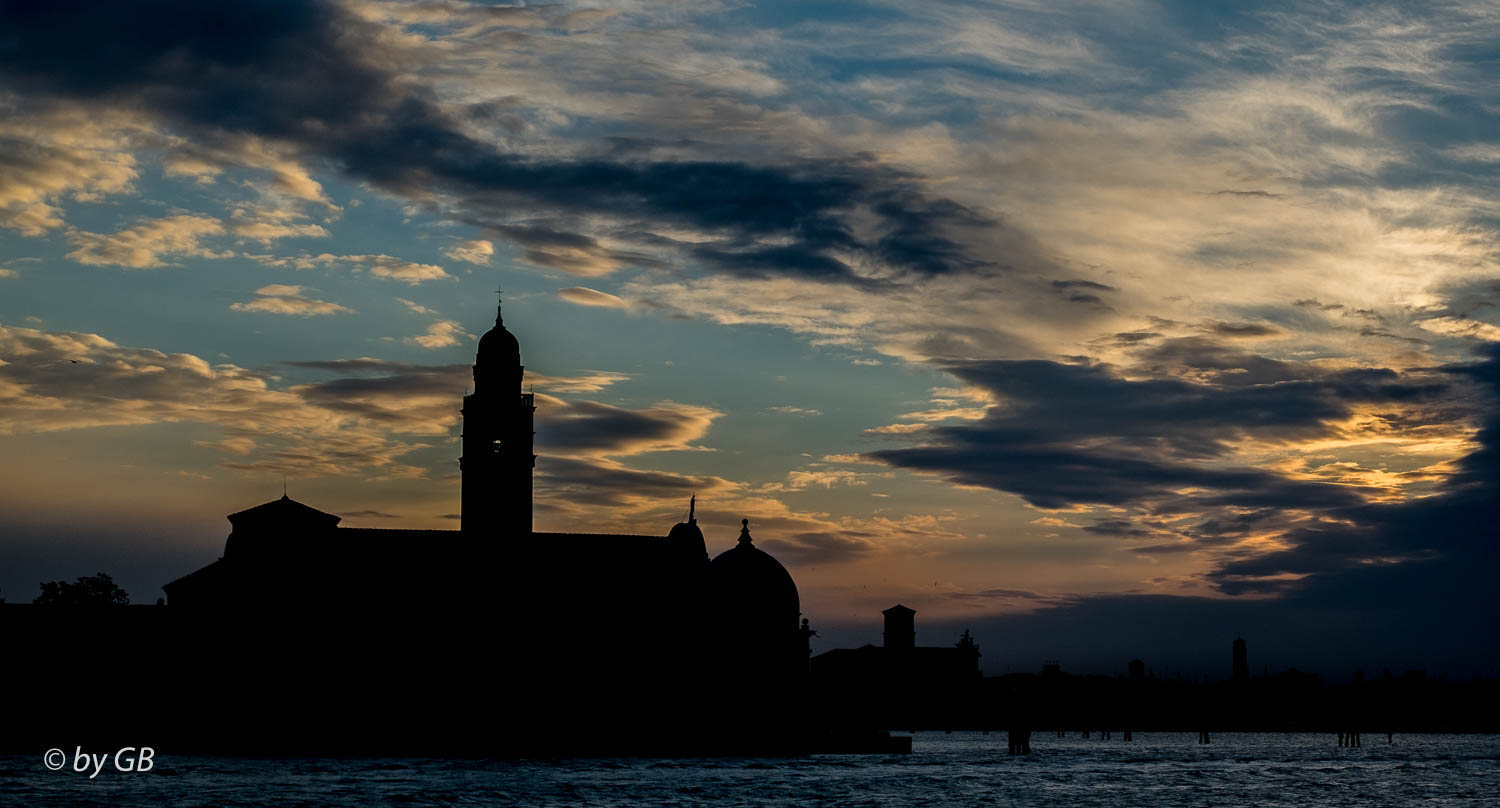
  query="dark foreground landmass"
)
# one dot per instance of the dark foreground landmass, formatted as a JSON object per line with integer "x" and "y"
{"x": 149, "y": 676}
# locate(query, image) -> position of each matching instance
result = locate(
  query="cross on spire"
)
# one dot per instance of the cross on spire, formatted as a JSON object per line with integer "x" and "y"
{"x": 499, "y": 300}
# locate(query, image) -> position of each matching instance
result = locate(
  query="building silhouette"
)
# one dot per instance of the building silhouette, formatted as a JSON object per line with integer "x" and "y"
{"x": 497, "y": 460}
{"x": 551, "y": 631}
{"x": 901, "y": 683}
{"x": 1241, "y": 660}
{"x": 900, "y": 628}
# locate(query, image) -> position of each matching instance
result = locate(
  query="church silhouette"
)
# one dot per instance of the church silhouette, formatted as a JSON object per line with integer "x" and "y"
{"x": 561, "y": 639}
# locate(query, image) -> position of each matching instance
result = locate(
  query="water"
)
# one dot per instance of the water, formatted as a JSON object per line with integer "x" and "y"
{"x": 962, "y": 769}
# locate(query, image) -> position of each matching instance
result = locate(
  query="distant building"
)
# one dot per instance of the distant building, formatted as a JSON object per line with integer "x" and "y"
{"x": 900, "y": 662}
{"x": 1137, "y": 670}
{"x": 900, "y": 627}
{"x": 901, "y": 682}
{"x": 1241, "y": 660}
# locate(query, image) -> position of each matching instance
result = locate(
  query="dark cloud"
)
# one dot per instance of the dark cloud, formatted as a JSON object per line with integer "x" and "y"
{"x": 1399, "y": 585}
{"x": 1252, "y": 194}
{"x": 367, "y": 514}
{"x": 1121, "y": 528}
{"x": 1077, "y": 284}
{"x": 314, "y": 78}
{"x": 1436, "y": 547}
{"x": 1126, "y": 339}
{"x": 1070, "y": 434}
{"x": 592, "y": 428}
{"x": 1314, "y": 303}
{"x": 1244, "y": 329}
{"x": 1007, "y": 595}
{"x": 415, "y": 398}
{"x": 1080, "y": 291}
{"x": 807, "y": 548}
{"x": 601, "y": 484}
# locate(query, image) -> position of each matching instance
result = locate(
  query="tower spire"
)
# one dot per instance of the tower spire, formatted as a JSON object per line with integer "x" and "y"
{"x": 692, "y": 508}
{"x": 499, "y": 302}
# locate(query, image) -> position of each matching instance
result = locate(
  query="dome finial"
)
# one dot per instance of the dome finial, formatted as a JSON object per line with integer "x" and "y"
{"x": 745, "y": 532}
{"x": 692, "y": 509}
{"x": 499, "y": 301}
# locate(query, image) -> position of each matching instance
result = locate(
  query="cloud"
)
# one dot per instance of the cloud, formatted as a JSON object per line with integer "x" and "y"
{"x": 897, "y": 429}
{"x": 584, "y": 296}
{"x": 602, "y": 491}
{"x": 380, "y": 266}
{"x": 56, "y": 381}
{"x": 53, "y": 151}
{"x": 594, "y": 429}
{"x": 1207, "y": 464}
{"x": 267, "y": 224}
{"x": 1112, "y": 440}
{"x": 591, "y": 382}
{"x": 441, "y": 334}
{"x": 801, "y": 480}
{"x": 384, "y": 266}
{"x": 147, "y": 244}
{"x": 1401, "y": 584}
{"x": 283, "y": 299}
{"x": 1462, "y": 327}
{"x": 471, "y": 252}
{"x": 8, "y": 273}
{"x": 797, "y": 217}
{"x": 349, "y": 425}
{"x": 369, "y": 514}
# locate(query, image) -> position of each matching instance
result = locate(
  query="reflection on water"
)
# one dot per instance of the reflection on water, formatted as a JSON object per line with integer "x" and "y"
{"x": 1156, "y": 769}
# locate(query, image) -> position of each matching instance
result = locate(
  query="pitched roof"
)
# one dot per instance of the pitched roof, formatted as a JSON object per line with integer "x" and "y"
{"x": 285, "y": 509}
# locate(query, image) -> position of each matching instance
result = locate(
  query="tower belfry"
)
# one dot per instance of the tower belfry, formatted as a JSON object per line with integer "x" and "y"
{"x": 497, "y": 456}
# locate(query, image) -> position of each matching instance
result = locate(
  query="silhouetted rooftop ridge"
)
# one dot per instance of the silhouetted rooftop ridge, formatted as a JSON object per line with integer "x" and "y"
{"x": 284, "y": 509}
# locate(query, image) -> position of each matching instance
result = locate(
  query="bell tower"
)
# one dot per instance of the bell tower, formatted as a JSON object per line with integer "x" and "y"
{"x": 497, "y": 458}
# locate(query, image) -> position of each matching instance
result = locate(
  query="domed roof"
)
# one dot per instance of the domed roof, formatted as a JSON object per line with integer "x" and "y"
{"x": 750, "y": 582}
{"x": 498, "y": 347}
{"x": 688, "y": 531}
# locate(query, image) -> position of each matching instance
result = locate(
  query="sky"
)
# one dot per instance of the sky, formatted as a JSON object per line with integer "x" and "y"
{"x": 1101, "y": 329}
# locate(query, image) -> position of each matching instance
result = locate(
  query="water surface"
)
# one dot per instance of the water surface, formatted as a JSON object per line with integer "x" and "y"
{"x": 961, "y": 769}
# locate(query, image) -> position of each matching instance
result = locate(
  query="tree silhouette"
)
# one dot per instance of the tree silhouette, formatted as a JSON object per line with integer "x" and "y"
{"x": 93, "y": 590}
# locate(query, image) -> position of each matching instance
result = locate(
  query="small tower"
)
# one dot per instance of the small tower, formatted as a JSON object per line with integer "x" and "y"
{"x": 497, "y": 456}
{"x": 900, "y": 628}
{"x": 1241, "y": 660}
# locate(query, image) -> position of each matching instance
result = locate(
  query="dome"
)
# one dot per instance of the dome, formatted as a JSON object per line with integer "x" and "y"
{"x": 498, "y": 347}
{"x": 752, "y": 586}
{"x": 688, "y": 531}
{"x": 497, "y": 365}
